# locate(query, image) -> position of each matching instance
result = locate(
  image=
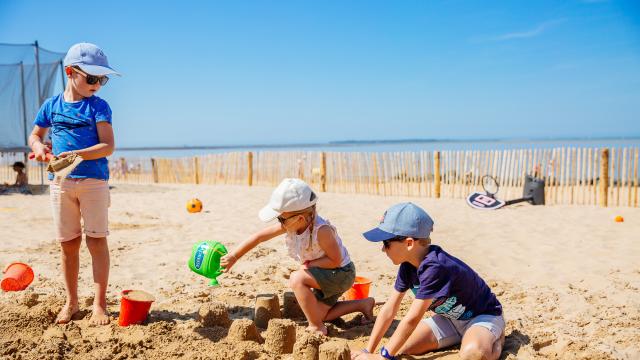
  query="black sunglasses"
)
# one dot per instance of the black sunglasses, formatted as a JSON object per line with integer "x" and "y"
{"x": 93, "y": 79}
{"x": 388, "y": 242}
{"x": 283, "y": 220}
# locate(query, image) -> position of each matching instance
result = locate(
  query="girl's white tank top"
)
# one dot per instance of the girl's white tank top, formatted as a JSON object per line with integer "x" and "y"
{"x": 299, "y": 249}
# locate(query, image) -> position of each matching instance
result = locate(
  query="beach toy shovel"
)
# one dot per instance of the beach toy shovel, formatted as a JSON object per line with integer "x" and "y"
{"x": 359, "y": 289}
{"x": 134, "y": 307}
{"x": 205, "y": 260}
{"x": 17, "y": 276}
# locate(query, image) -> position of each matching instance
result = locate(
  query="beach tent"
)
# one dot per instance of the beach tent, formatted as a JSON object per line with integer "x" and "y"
{"x": 29, "y": 75}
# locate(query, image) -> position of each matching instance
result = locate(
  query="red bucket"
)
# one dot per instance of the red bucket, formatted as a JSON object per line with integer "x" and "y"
{"x": 17, "y": 276}
{"x": 359, "y": 289}
{"x": 134, "y": 307}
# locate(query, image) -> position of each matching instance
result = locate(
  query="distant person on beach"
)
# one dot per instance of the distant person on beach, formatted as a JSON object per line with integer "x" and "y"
{"x": 465, "y": 310}
{"x": 80, "y": 124}
{"x": 21, "y": 184}
{"x": 326, "y": 270}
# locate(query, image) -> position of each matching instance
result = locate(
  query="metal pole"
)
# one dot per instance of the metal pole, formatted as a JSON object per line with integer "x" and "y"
{"x": 37, "y": 54}
{"x": 62, "y": 76}
{"x": 24, "y": 105}
{"x": 24, "y": 118}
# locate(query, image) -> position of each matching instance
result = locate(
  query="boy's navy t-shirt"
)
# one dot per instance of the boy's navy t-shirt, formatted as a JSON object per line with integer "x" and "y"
{"x": 74, "y": 127}
{"x": 457, "y": 291}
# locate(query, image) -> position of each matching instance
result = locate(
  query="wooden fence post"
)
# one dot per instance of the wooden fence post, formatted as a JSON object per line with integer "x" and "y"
{"x": 436, "y": 173}
{"x": 250, "y": 167}
{"x": 374, "y": 157}
{"x": 196, "y": 171}
{"x": 604, "y": 177}
{"x": 323, "y": 172}
{"x": 154, "y": 170}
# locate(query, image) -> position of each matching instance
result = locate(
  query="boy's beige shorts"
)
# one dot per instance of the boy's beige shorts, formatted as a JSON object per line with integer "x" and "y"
{"x": 80, "y": 199}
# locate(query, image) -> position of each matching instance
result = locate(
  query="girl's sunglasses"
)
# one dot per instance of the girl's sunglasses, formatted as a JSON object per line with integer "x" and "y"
{"x": 388, "y": 242}
{"x": 283, "y": 220}
{"x": 93, "y": 79}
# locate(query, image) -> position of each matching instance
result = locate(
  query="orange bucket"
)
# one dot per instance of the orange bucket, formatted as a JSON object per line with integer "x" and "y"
{"x": 17, "y": 276}
{"x": 359, "y": 289}
{"x": 134, "y": 307}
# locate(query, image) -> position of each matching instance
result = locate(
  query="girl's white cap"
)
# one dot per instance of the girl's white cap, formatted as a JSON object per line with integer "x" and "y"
{"x": 290, "y": 195}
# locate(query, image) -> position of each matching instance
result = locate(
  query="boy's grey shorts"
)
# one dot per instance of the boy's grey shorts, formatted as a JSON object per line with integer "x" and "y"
{"x": 450, "y": 332}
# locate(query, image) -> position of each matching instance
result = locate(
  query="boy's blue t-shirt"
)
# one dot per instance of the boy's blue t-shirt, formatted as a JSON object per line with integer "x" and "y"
{"x": 74, "y": 127}
{"x": 457, "y": 291}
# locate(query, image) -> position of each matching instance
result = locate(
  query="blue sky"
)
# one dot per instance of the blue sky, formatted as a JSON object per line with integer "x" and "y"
{"x": 247, "y": 72}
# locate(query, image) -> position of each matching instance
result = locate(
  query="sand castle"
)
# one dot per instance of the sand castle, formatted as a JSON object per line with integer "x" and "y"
{"x": 280, "y": 336}
{"x": 307, "y": 346}
{"x": 267, "y": 307}
{"x": 291, "y": 308}
{"x": 214, "y": 314}
{"x": 244, "y": 330}
{"x": 334, "y": 350}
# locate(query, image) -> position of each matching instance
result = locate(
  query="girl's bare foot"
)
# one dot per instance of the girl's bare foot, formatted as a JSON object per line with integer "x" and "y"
{"x": 368, "y": 313}
{"x": 319, "y": 330}
{"x": 66, "y": 313}
{"x": 100, "y": 316}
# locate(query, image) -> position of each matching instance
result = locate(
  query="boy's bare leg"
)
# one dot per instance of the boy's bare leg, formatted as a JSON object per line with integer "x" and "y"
{"x": 99, "y": 250}
{"x": 70, "y": 253}
{"x": 478, "y": 343}
{"x": 364, "y": 306}
{"x": 301, "y": 282}
{"x": 421, "y": 340}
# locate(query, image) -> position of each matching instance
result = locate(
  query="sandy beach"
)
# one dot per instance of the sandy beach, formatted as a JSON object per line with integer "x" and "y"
{"x": 567, "y": 276}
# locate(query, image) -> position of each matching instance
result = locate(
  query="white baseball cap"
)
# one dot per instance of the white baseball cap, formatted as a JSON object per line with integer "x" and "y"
{"x": 290, "y": 195}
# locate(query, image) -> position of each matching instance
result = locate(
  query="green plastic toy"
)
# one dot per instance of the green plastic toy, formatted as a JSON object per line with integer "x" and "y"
{"x": 205, "y": 260}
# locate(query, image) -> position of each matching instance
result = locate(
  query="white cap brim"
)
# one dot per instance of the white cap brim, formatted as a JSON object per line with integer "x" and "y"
{"x": 267, "y": 214}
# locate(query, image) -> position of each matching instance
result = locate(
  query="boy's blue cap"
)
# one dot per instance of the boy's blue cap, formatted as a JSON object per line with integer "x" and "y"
{"x": 404, "y": 219}
{"x": 90, "y": 59}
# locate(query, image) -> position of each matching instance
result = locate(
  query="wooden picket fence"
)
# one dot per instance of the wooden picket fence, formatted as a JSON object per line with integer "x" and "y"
{"x": 573, "y": 176}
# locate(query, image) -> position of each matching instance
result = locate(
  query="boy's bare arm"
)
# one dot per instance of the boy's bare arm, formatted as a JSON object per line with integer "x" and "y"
{"x": 408, "y": 324}
{"x": 329, "y": 244}
{"x": 265, "y": 234}
{"x": 104, "y": 147}
{"x": 384, "y": 319}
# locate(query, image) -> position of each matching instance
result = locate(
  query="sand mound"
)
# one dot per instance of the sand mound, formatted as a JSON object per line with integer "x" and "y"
{"x": 335, "y": 350}
{"x": 214, "y": 314}
{"x": 280, "y": 336}
{"x": 267, "y": 307}
{"x": 307, "y": 346}
{"x": 244, "y": 330}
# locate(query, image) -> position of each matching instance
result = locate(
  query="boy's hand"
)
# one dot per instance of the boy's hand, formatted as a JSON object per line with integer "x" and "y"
{"x": 65, "y": 154}
{"x": 40, "y": 151}
{"x": 227, "y": 261}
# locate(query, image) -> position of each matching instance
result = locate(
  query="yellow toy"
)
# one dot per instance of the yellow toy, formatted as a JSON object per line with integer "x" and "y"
{"x": 194, "y": 205}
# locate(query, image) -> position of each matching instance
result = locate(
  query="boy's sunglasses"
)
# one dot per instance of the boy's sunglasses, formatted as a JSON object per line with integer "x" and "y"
{"x": 388, "y": 242}
{"x": 93, "y": 79}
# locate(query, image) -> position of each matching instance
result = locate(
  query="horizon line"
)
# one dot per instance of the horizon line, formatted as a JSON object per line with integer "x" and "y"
{"x": 346, "y": 143}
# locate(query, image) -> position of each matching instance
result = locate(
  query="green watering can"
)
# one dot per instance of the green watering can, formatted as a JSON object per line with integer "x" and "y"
{"x": 205, "y": 260}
